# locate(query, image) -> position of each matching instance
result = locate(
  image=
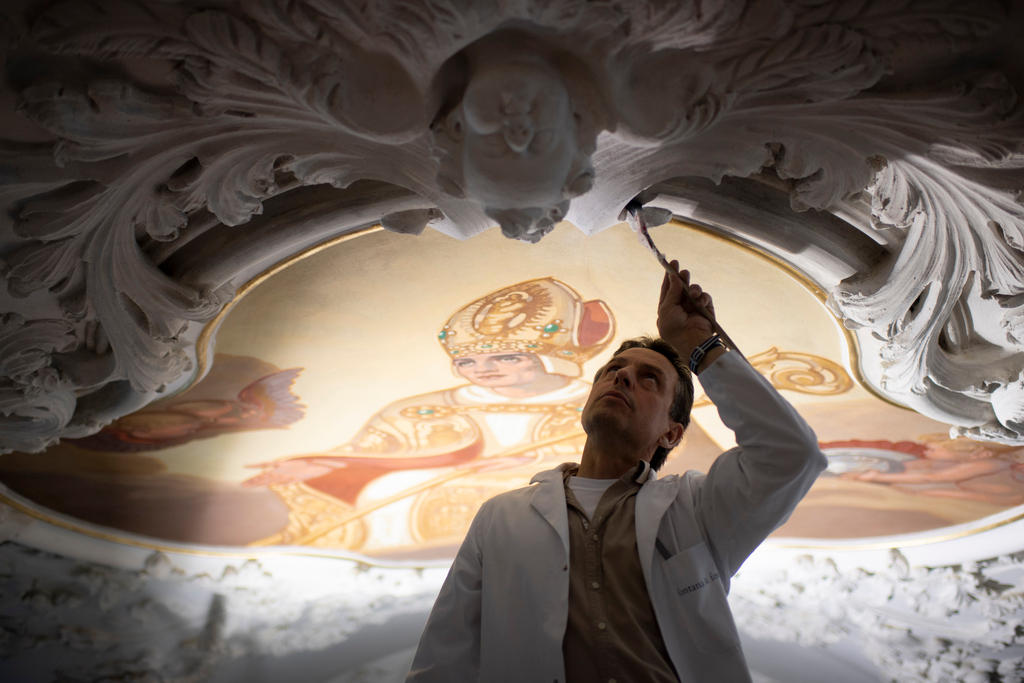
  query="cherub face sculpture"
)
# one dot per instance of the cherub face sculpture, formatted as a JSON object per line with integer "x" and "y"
{"x": 520, "y": 132}
{"x": 514, "y": 145}
{"x": 526, "y": 103}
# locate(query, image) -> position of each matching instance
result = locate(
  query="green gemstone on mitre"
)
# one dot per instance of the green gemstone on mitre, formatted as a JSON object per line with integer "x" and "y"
{"x": 551, "y": 327}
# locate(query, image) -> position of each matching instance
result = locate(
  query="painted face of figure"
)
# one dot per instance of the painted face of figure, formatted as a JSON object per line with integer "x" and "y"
{"x": 631, "y": 398}
{"x": 500, "y": 369}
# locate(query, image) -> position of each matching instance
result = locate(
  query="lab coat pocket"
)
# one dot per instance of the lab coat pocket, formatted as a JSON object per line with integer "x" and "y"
{"x": 700, "y": 596}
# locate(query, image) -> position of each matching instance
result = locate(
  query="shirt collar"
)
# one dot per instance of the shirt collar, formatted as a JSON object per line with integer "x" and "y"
{"x": 643, "y": 472}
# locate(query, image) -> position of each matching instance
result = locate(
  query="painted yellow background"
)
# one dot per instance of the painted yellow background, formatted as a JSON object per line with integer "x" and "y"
{"x": 362, "y": 319}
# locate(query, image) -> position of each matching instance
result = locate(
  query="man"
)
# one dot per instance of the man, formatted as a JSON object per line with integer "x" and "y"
{"x": 553, "y": 585}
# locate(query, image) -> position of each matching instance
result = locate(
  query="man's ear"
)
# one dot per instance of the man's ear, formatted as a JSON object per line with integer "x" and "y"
{"x": 672, "y": 436}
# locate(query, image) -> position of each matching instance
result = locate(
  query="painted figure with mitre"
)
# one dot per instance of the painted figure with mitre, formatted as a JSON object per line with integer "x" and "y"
{"x": 417, "y": 471}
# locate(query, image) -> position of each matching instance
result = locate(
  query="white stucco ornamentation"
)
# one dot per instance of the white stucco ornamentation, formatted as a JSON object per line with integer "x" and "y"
{"x": 92, "y": 609}
{"x": 166, "y": 616}
{"x": 519, "y": 142}
{"x": 33, "y": 398}
{"x": 178, "y": 149}
{"x": 955, "y": 623}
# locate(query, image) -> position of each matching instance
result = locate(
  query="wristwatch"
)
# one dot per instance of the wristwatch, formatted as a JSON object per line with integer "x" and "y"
{"x": 698, "y": 353}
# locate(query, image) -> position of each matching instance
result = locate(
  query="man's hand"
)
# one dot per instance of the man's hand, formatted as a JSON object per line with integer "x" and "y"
{"x": 679, "y": 322}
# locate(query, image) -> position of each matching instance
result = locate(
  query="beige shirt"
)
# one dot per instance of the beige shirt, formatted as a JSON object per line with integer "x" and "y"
{"x": 612, "y": 633}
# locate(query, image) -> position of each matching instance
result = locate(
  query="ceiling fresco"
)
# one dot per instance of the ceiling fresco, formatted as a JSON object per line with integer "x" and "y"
{"x": 368, "y": 397}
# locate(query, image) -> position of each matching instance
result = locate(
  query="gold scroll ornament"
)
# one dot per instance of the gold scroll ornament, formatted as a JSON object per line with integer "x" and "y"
{"x": 805, "y": 373}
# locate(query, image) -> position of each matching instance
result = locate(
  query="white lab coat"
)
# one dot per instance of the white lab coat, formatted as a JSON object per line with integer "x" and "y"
{"x": 502, "y": 611}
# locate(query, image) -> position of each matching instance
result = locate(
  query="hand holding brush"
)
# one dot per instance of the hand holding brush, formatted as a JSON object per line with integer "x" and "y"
{"x": 692, "y": 299}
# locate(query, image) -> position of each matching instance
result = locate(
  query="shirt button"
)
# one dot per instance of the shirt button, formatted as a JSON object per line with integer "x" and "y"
{"x": 601, "y": 626}
{"x": 595, "y": 537}
{"x": 595, "y": 585}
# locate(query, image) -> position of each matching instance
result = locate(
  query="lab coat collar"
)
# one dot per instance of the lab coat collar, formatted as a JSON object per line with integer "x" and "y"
{"x": 549, "y": 501}
{"x": 552, "y": 475}
{"x": 651, "y": 503}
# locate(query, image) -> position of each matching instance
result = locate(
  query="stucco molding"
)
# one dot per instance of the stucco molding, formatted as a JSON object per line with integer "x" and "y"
{"x": 94, "y": 608}
{"x": 959, "y": 622}
{"x": 158, "y": 127}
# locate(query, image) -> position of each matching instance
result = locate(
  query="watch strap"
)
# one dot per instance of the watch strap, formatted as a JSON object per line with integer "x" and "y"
{"x": 697, "y": 355}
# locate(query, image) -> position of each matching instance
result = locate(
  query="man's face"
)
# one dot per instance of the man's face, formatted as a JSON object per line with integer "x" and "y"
{"x": 631, "y": 399}
{"x": 499, "y": 369}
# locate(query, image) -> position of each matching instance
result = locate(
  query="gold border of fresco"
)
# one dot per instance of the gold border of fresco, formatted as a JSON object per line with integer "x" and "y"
{"x": 202, "y": 358}
{"x": 203, "y": 342}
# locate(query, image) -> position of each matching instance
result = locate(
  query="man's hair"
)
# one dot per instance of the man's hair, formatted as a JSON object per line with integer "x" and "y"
{"x": 682, "y": 402}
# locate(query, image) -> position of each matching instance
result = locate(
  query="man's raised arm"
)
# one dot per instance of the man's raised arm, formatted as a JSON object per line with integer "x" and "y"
{"x": 751, "y": 489}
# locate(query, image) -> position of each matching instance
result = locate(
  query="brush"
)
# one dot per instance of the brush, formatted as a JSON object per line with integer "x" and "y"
{"x": 635, "y": 214}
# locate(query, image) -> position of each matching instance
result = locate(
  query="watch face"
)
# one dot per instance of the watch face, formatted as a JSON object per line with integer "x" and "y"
{"x": 855, "y": 459}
